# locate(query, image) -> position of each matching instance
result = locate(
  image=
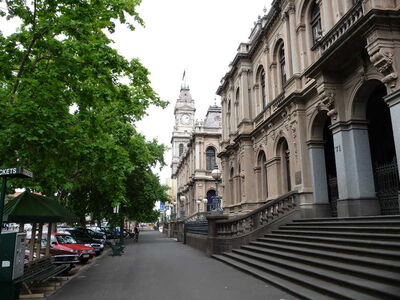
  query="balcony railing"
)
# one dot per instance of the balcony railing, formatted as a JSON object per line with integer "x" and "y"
{"x": 347, "y": 22}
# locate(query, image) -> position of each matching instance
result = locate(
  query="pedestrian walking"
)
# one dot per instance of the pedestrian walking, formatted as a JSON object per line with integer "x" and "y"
{"x": 136, "y": 231}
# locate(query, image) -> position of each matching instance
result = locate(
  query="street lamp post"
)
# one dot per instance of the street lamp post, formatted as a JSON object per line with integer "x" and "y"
{"x": 216, "y": 175}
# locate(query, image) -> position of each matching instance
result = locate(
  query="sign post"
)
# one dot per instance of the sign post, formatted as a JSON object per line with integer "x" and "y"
{"x": 10, "y": 290}
{"x": 16, "y": 172}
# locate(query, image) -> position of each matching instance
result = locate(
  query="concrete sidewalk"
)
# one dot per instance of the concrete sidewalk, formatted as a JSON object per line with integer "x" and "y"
{"x": 160, "y": 268}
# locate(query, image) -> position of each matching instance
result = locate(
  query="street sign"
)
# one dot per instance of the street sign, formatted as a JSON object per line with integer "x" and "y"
{"x": 16, "y": 172}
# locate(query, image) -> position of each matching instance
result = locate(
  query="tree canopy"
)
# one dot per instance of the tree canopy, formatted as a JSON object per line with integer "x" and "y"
{"x": 69, "y": 103}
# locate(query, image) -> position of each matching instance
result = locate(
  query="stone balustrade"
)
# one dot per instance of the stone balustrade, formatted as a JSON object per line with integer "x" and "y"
{"x": 348, "y": 21}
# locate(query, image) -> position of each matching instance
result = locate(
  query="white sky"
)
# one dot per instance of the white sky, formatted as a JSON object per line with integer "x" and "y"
{"x": 199, "y": 36}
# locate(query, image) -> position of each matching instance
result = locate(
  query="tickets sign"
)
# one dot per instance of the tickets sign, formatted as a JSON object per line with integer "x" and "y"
{"x": 16, "y": 172}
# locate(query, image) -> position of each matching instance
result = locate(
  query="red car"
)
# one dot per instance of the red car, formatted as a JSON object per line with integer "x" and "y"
{"x": 63, "y": 241}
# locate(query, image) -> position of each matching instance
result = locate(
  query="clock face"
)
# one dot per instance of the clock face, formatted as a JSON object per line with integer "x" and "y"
{"x": 185, "y": 119}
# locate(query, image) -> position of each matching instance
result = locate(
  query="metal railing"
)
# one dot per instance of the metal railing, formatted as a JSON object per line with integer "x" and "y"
{"x": 387, "y": 187}
{"x": 258, "y": 218}
{"x": 198, "y": 227}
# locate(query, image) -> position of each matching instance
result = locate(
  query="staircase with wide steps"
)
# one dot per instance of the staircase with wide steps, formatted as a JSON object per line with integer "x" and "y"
{"x": 348, "y": 258}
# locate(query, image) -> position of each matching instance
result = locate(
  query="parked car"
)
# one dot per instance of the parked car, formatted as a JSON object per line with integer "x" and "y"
{"x": 61, "y": 257}
{"x": 97, "y": 236}
{"x": 110, "y": 234}
{"x": 66, "y": 242}
{"x": 58, "y": 256}
{"x": 83, "y": 238}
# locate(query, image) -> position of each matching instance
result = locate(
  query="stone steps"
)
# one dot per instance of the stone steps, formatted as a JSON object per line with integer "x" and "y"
{"x": 342, "y": 254}
{"x": 359, "y": 229}
{"x": 389, "y": 250}
{"x": 355, "y": 258}
{"x": 358, "y": 223}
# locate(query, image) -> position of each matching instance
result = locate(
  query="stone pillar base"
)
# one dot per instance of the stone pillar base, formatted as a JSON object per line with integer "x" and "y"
{"x": 358, "y": 207}
{"x": 315, "y": 210}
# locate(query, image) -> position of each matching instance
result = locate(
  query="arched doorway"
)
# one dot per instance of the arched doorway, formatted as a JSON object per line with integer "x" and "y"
{"x": 383, "y": 155}
{"x": 210, "y": 197}
{"x": 323, "y": 166}
{"x": 330, "y": 167}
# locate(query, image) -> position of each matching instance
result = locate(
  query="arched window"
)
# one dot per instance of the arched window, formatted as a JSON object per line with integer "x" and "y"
{"x": 180, "y": 149}
{"x": 262, "y": 84}
{"x": 282, "y": 64}
{"x": 210, "y": 158}
{"x": 316, "y": 23}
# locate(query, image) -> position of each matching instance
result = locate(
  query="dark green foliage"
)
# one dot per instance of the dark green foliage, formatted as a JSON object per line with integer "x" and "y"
{"x": 68, "y": 104}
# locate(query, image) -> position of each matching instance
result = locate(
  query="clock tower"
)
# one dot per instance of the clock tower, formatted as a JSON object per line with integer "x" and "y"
{"x": 184, "y": 124}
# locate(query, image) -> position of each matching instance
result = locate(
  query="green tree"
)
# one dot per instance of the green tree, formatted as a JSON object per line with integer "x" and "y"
{"x": 69, "y": 101}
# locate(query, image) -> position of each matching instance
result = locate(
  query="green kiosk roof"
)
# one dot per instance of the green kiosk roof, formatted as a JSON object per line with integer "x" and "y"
{"x": 33, "y": 208}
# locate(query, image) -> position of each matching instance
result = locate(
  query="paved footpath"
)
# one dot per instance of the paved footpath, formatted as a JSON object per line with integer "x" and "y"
{"x": 160, "y": 268}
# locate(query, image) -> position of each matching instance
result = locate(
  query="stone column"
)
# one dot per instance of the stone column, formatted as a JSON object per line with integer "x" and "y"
{"x": 274, "y": 77}
{"x": 305, "y": 55}
{"x": 248, "y": 186}
{"x": 257, "y": 99}
{"x": 244, "y": 97}
{"x": 287, "y": 45}
{"x": 326, "y": 15}
{"x": 201, "y": 155}
{"x": 393, "y": 100}
{"x": 268, "y": 77}
{"x": 273, "y": 173}
{"x": 238, "y": 192}
{"x": 257, "y": 175}
{"x": 294, "y": 49}
{"x": 319, "y": 181}
{"x": 354, "y": 170}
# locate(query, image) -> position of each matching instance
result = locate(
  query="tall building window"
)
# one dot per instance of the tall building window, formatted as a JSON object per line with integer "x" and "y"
{"x": 282, "y": 64}
{"x": 262, "y": 83}
{"x": 210, "y": 158}
{"x": 180, "y": 149}
{"x": 316, "y": 23}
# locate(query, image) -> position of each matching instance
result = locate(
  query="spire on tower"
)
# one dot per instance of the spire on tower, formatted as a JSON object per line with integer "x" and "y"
{"x": 184, "y": 85}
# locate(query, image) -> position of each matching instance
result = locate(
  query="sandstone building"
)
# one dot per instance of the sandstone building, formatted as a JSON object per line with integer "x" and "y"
{"x": 312, "y": 103}
{"x": 195, "y": 147}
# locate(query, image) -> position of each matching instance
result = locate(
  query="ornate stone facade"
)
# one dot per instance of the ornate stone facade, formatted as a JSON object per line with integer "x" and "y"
{"x": 192, "y": 168}
{"x": 303, "y": 108}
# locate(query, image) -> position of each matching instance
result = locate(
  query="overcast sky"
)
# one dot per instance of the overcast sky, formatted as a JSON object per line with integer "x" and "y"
{"x": 199, "y": 36}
